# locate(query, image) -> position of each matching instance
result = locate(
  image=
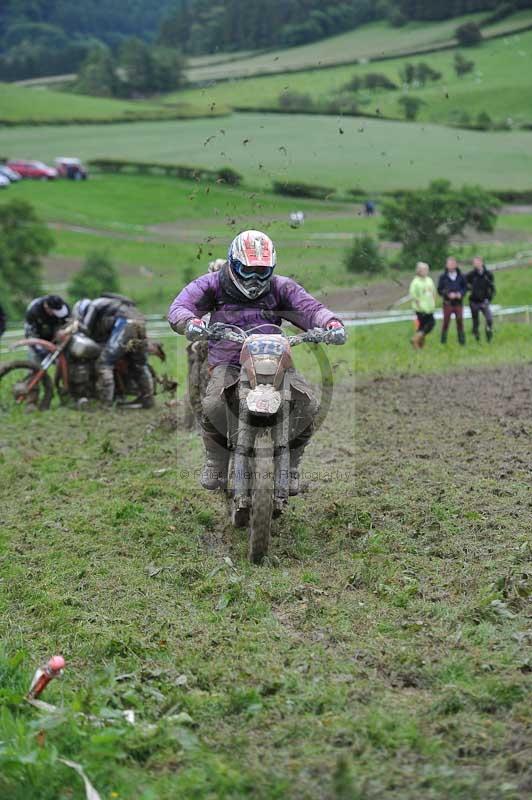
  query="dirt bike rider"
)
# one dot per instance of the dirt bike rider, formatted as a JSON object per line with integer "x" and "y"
{"x": 246, "y": 293}
{"x": 44, "y": 316}
{"x": 114, "y": 322}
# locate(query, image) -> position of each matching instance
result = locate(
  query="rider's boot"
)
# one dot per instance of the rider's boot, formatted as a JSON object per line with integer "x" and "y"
{"x": 214, "y": 472}
{"x": 461, "y": 337}
{"x": 105, "y": 386}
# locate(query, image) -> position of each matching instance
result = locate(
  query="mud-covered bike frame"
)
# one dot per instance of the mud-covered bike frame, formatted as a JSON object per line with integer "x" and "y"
{"x": 258, "y": 436}
{"x": 37, "y": 380}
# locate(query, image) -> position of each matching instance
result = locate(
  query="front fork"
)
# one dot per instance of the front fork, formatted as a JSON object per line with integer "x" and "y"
{"x": 281, "y": 443}
{"x": 241, "y": 441}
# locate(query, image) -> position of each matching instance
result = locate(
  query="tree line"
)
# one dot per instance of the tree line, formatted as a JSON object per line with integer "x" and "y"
{"x": 47, "y": 37}
{"x": 199, "y": 26}
{"x": 107, "y": 20}
{"x": 54, "y": 37}
{"x": 135, "y": 70}
{"x": 433, "y": 10}
{"x": 204, "y": 26}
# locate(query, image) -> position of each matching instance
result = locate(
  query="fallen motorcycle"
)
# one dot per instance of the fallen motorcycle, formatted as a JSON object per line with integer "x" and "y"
{"x": 258, "y": 436}
{"x": 73, "y": 355}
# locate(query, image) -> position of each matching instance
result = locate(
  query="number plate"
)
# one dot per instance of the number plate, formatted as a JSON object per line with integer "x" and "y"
{"x": 267, "y": 346}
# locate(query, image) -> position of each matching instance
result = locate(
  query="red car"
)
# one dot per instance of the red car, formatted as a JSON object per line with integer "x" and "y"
{"x": 33, "y": 169}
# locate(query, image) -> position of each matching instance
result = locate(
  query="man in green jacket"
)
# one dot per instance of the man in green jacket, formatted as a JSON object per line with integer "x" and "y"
{"x": 423, "y": 294}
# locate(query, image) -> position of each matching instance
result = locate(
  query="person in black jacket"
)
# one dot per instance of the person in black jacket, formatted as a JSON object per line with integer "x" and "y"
{"x": 481, "y": 286}
{"x": 118, "y": 326}
{"x": 44, "y": 316}
{"x": 2, "y": 321}
{"x": 452, "y": 287}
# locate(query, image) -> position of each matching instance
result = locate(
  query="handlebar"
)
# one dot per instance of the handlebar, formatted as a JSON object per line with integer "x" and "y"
{"x": 230, "y": 333}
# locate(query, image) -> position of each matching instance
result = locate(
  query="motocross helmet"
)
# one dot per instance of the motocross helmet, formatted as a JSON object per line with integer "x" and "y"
{"x": 80, "y": 308}
{"x": 251, "y": 260}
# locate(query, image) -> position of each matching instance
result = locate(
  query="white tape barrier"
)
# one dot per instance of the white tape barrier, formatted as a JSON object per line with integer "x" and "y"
{"x": 361, "y": 318}
{"x": 158, "y": 326}
{"x": 383, "y": 318}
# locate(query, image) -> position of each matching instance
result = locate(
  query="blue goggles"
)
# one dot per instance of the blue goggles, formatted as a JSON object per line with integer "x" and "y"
{"x": 247, "y": 272}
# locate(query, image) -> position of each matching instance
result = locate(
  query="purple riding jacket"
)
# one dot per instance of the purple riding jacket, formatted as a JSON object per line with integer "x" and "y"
{"x": 286, "y": 299}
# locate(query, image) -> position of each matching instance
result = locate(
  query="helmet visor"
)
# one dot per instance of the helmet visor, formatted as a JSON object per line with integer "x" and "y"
{"x": 254, "y": 271}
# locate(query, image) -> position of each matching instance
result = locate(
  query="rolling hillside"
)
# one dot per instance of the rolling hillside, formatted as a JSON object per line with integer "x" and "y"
{"x": 370, "y": 42}
{"x": 499, "y": 85}
{"x": 20, "y": 104}
{"x": 372, "y": 154}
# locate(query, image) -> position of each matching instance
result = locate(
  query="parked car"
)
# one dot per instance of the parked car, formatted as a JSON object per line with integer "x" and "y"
{"x": 4, "y": 182}
{"x": 71, "y": 168}
{"x": 33, "y": 169}
{"x": 9, "y": 173}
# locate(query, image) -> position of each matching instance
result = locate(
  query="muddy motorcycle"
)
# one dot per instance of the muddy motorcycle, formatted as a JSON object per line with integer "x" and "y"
{"x": 258, "y": 435}
{"x": 73, "y": 355}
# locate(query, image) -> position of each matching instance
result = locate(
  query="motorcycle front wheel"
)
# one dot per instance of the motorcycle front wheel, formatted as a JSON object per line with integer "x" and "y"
{"x": 15, "y": 377}
{"x": 262, "y": 489}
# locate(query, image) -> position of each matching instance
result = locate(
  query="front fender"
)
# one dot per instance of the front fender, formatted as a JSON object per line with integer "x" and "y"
{"x": 44, "y": 343}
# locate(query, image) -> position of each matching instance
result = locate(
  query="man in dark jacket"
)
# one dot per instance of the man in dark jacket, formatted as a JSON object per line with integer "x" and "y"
{"x": 2, "y": 321}
{"x": 44, "y": 316}
{"x": 452, "y": 288}
{"x": 115, "y": 323}
{"x": 481, "y": 286}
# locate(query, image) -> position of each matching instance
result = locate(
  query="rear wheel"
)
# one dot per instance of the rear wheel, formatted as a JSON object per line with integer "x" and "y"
{"x": 15, "y": 377}
{"x": 260, "y": 522}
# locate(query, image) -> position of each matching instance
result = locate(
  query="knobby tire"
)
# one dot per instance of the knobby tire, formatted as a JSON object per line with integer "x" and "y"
{"x": 260, "y": 522}
{"x": 44, "y": 386}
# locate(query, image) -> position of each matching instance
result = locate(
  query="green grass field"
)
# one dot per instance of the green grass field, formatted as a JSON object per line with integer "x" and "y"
{"x": 41, "y": 105}
{"x": 153, "y": 273}
{"x": 499, "y": 85}
{"x": 345, "y": 153}
{"x": 126, "y": 201}
{"x": 382, "y": 652}
{"x": 368, "y": 42}
{"x": 384, "y": 350}
{"x": 162, "y": 232}
{"x": 133, "y": 204}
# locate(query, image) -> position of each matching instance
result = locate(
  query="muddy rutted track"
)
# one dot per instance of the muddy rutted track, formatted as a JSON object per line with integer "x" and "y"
{"x": 477, "y": 422}
{"x": 382, "y": 653}
{"x": 424, "y": 577}
{"x": 462, "y": 439}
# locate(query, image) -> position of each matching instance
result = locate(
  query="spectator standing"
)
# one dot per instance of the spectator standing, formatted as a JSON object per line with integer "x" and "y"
{"x": 452, "y": 287}
{"x": 423, "y": 294}
{"x": 2, "y": 321}
{"x": 481, "y": 286}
